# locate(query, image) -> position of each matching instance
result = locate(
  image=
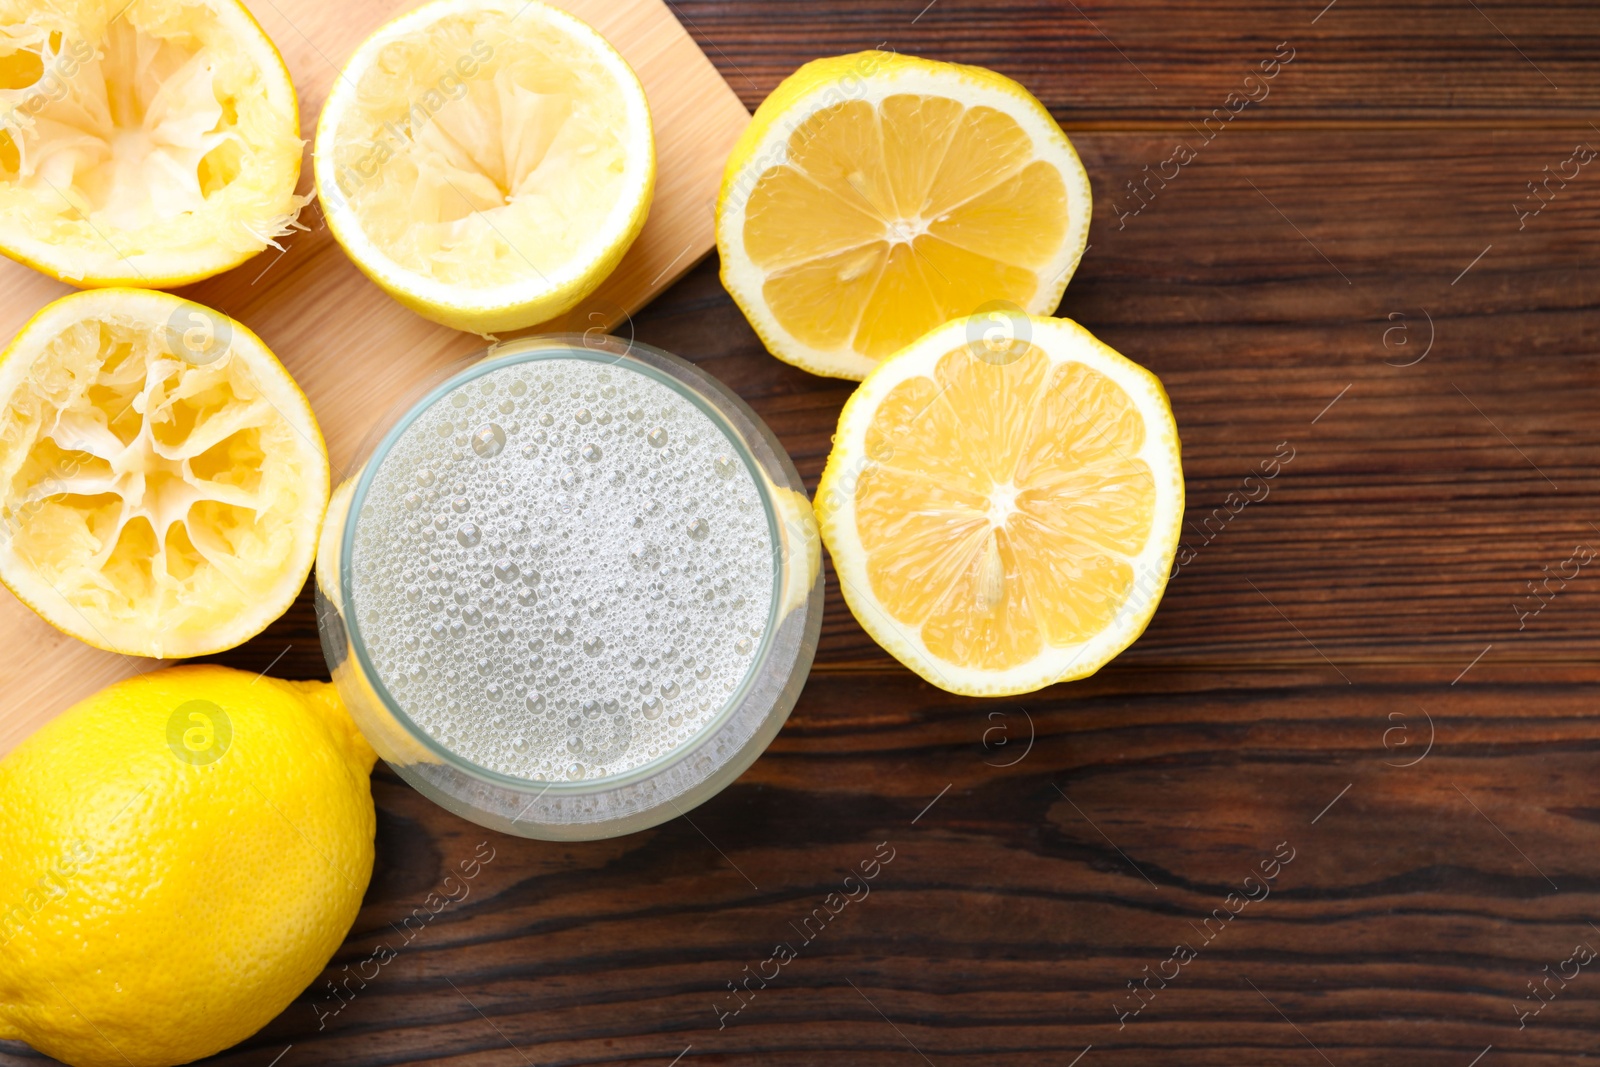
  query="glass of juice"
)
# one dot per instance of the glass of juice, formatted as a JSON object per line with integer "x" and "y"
{"x": 573, "y": 590}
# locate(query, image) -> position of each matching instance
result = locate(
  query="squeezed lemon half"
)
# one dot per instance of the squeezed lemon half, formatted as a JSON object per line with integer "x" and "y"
{"x": 875, "y": 196}
{"x": 150, "y": 143}
{"x": 162, "y": 478}
{"x": 1004, "y": 515}
{"x": 486, "y": 162}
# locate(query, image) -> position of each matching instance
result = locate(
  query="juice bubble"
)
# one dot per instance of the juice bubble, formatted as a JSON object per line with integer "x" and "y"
{"x": 572, "y": 583}
{"x": 488, "y": 440}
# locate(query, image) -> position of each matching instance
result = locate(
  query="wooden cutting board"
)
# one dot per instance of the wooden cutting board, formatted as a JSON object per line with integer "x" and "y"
{"x": 353, "y": 349}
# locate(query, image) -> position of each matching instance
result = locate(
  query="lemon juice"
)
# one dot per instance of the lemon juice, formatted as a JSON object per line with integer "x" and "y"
{"x": 561, "y": 568}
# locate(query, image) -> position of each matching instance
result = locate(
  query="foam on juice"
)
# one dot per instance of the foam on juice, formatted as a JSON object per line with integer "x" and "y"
{"x": 562, "y": 569}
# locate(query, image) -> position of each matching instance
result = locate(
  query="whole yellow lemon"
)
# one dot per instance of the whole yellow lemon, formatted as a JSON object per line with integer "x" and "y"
{"x": 180, "y": 855}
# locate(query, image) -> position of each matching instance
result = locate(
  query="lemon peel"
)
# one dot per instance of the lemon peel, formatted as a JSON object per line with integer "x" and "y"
{"x": 185, "y": 850}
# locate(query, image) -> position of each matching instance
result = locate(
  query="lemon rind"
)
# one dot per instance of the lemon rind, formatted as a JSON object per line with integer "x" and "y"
{"x": 132, "y": 828}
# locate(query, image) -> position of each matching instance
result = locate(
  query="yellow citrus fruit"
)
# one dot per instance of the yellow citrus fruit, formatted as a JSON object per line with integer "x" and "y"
{"x": 184, "y": 851}
{"x": 1003, "y": 511}
{"x": 801, "y": 544}
{"x": 486, "y": 162}
{"x": 875, "y": 196}
{"x": 152, "y": 142}
{"x": 162, "y": 478}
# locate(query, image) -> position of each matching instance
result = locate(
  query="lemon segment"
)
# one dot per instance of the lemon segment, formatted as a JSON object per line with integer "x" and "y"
{"x": 150, "y": 143}
{"x": 1002, "y": 517}
{"x": 155, "y": 499}
{"x": 874, "y": 197}
{"x": 185, "y": 850}
{"x": 486, "y": 162}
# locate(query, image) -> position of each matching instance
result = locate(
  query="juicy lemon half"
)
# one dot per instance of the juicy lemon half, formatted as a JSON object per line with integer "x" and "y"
{"x": 162, "y": 478}
{"x": 875, "y": 196}
{"x": 486, "y": 162}
{"x": 151, "y": 143}
{"x": 1004, "y": 515}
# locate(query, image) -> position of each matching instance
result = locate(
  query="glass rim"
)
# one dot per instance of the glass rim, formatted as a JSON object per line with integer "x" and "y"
{"x": 611, "y": 351}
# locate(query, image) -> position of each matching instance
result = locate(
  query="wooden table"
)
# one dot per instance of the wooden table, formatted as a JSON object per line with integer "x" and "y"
{"x": 1348, "y": 670}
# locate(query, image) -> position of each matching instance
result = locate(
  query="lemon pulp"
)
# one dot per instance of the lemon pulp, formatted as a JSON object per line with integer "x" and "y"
{"x": 486, "y": 162}
{"x": 155, "y": 506}
{"x": 1000, "y": 523}
{"x": 922, "y": 197}
{"x": 155, "y": 142}
{"x": 1007, "y": 514}
{"x": 869, "y": 221}
{"x": 512, "y": 173}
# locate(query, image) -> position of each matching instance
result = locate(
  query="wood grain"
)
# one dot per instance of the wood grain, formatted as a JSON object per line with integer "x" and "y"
{"x": 1295, "y": 673}
{"x": 1137, "y": 63}
{"x": 352, "y": 349}
{"x": 1018, "y": 906}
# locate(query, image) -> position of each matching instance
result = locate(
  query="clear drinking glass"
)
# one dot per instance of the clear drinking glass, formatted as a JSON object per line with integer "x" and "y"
{"x": 652, "y": 791}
